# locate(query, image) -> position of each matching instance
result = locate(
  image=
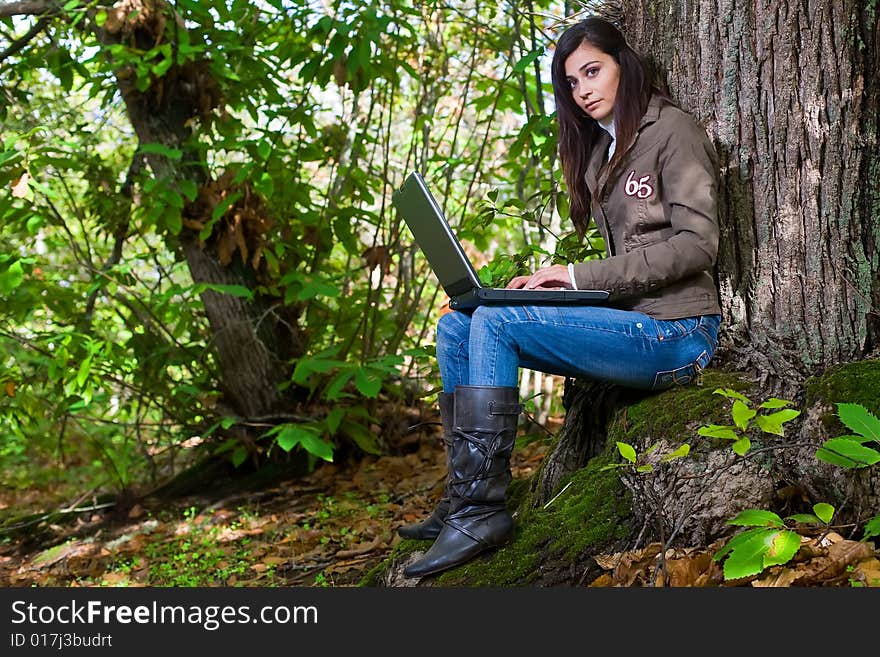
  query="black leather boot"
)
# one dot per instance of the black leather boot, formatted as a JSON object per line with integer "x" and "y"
{"x": 430, "y": 527}
{"x": 483, "y": 434}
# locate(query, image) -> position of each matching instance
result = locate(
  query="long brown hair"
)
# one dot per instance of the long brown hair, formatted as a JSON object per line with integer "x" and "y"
{"x": 578, "y": 133}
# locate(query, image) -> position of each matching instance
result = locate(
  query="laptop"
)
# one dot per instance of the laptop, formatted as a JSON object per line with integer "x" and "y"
{"x": 455, "y": 272}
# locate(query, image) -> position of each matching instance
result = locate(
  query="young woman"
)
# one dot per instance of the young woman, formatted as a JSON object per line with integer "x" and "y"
{"x": 646, "y": 173}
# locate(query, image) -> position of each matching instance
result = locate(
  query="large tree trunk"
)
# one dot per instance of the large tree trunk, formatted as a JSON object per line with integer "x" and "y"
{"x": 788, "y": 90}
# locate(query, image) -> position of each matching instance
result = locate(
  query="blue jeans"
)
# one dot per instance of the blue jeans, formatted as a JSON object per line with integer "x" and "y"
{"x": 625, "y": 347}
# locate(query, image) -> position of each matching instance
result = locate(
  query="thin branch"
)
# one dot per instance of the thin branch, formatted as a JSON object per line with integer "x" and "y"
{"x": 28, "y": 8}
{"x": 21, "y": 42}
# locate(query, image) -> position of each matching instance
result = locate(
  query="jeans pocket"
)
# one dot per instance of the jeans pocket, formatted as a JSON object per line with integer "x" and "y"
{"x": 681, "y": 376}
{"x": 669, "y": 329}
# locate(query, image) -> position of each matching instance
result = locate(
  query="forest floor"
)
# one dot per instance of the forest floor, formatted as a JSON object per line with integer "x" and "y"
{"x": 328, "y": 528}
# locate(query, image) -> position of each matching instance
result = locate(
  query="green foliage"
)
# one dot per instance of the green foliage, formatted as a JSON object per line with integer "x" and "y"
{"x": 770, "y": 542}
{"x": 632, "y": 459}
{"x": 747, "y": 419}
{"x": 850, "y": 451}
{"x": 308, "y": 118}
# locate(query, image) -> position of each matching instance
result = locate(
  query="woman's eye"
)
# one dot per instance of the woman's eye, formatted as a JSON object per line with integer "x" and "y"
{"x": 591, "y": 72}
{"x": 572, "y": 83}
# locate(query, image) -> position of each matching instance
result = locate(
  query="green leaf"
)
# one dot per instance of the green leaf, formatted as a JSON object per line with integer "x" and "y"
{"x": 317, "y": 446}
{"x": 189, "y": 189}
{"x": 756, "y": 518}
{"x": 306, "y": 366}
{"x": 746, "y": 558}
{"x": 856, "y": 439}
{"x": 773, "y": 423}
{"x": 742, "y": 446}
{"x": 173, "y": 220}
{"x": 367, "y": 382}
{"x": 361, "y": 436}
{"x": 773, "y": 402}
{"x": 783, "y": 546}
{"x": 316, "y": 288}
{"x": 872, "y": 528}
{"x": 523, "y": 63}
{"x": 334, "y": 419}
{"x": 684, "y": 450}
{"x": 807, "y": 518}
{"x": 83, "y": 373}
{"x": 333, "y": 391}
{"x": 645, "y": 468}
{"x": 11, "y": 278}
{"x": 718, "y": 431}
{"x": 232, "y": 290}
{"x": 290, "y": 435}
{"x": 742, "y": 414}
{"x": 161, "y": 149}
{"x": 824, "y": 511}
{"x": 735, "y": 541}
{"x": 847, "y": 453}
{"x": 627, "y": 452}
{"x": 239, "y": 456}
{"x": 732, "y": 394}
{"x": 859, "y": 419}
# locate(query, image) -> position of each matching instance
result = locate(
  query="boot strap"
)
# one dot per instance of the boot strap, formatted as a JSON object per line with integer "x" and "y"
{"x": 501, "y": 408}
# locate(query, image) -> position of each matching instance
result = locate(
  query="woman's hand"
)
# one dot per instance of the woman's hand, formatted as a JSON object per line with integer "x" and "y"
{"x": 555, "y": 276}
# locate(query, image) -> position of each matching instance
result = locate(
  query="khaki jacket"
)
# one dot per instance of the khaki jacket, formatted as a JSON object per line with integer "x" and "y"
{"x": 658, "y": 215}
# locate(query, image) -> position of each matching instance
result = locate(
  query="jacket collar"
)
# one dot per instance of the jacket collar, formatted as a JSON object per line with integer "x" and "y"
{"x": 652, "y": 113}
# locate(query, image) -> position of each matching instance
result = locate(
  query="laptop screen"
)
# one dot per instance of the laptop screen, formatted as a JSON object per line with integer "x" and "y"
{"x": 434, "y": 236}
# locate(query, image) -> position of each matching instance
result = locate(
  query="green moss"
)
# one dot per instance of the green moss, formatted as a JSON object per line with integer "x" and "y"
{"x": 850, "y": 383}
{"x": 590, "y": 512}
{"x": 678, "y": 412}
{"x": 853, "y": 383}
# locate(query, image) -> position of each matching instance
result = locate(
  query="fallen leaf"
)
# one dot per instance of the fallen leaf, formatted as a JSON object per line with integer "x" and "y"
{"x": 20, "y": 187}
{"x": 361, "y": 548}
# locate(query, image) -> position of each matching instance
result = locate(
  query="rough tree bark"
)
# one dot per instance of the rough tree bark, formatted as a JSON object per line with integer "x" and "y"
{"x": 788, "y": 91}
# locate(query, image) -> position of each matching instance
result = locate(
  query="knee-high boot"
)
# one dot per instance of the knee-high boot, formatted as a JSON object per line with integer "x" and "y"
{"x": 430, "y": 526}
{"x": 483, "y": 435}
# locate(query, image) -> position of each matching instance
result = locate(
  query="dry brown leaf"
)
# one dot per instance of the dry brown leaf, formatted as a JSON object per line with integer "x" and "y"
{"x": 20, "y": 186}
{"x": 274, "y": 561}
{"x": 689, "y": 570}
{"x": 115, "y": 579}
{"x": 604, "y": 579}
{"x": 360, "y": 548}
{"x": 867, "y": 572}
{"x": 783, "y": 578}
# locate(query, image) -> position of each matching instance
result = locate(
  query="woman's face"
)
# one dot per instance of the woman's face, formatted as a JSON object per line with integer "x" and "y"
{"x": 593, "y": 76}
